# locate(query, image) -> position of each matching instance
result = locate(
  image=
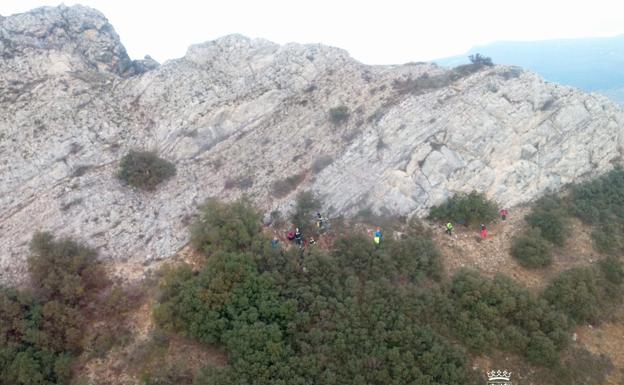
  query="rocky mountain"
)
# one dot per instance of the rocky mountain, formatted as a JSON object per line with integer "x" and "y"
{"x": 236, "y": 115}
{"x": 591, "y": 64}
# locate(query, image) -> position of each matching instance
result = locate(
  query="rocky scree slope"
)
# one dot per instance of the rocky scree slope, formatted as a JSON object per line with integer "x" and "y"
{"x": 236, "y": 115}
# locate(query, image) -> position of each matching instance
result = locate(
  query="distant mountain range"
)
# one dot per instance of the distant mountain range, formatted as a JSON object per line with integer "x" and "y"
{"x": 591, "y": 64}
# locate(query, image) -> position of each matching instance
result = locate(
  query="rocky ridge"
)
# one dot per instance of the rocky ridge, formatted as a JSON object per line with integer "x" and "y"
{"x": 236, "y": 115}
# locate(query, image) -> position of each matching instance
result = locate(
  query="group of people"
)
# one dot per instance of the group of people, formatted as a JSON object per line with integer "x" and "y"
{"x": 484, "y": 232}
{"x": 297, "y": 236}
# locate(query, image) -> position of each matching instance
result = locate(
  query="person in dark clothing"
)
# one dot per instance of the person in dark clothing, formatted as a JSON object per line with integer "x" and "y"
{"x": 298, "y": 237}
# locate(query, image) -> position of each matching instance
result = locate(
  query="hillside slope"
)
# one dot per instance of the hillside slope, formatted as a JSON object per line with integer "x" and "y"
{"x": 236, "y": 115}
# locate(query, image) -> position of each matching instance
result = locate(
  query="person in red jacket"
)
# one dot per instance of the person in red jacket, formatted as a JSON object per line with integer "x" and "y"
{"x": 483, "y": 232}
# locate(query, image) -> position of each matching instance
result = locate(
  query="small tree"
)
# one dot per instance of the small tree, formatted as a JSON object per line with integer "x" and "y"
{"x": 63, "y": 270}
{"x": 551, "y": 217}
{"x": 480, "y": 60}
{"x": 144, "y": 169}
{"x": 227, "y": 227}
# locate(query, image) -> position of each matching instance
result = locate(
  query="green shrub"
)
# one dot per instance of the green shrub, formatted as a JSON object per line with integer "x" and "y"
{"x": 600, "y": 199}
{"x": 416, "y": 257}
{"x": 612, "y": 270}
{"x": 608, "y": 237}
{"x": 42, "y": 333}
{"x": 226, "y": 294}
{"x": 531, "y": 250}
{"x": 588, "y": 294}
{"x": 227, "y": 227}
{"x": 339, "y": 115}
{"x": 285, "y": 186}
{"x": 352, "y": 317}
{"x": 144, "y": 170}
{"x": 29, "y": 354}
{"x": 473, "y": 208}
{"x": 63, "y": 270}
{"x": 497, "y": 313}
{"x": 600, "y": 203}
{"x": 549, "y": 214}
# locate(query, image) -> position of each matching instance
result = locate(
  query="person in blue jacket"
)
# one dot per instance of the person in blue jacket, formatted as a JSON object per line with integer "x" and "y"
{"x": 377, "y": 238}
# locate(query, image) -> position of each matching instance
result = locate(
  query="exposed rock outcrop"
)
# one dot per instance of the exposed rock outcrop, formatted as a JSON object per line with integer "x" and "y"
{"x": 236, "y": 109}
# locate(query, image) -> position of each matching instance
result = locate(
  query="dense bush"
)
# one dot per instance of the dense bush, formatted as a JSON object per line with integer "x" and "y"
{"x": 588, "y": 294}
{"x": 357, "y": 315}
{"x": 41, "y": 334}
{"x": 600, "y": 199}
{"x": 63, "y": 270}
{"x": 144, "y": 169}
{"x": 531, "y": 250}
{"x": 612, "y": 270}
{"x": 600, "y": 203}
{"x": 497, "y": 313}
{"x": 339, "y": 115}
{"x": 26, "y": 357}
{"x": 227, "y": 227}
{"x": 473, "y": 208}
{"x": 549, "y": 214}
{"x": 412, "y": 258}
{"x": 285, "y": 186}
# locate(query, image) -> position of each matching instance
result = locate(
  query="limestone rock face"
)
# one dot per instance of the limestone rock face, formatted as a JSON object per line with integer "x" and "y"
{"x": 236, "y": 115}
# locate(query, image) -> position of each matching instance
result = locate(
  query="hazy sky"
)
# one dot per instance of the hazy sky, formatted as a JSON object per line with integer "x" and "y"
{"x": 374, "y": 32}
